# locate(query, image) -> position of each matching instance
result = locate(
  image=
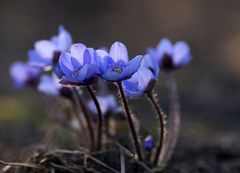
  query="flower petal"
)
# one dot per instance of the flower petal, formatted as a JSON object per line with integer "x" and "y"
{"x": 112, "y": 76}
{"x": 48, "y": 86}
{"x": 65, "y": 63}
{"x": 105, "y": 63}
{"x": 77, "y": 51}
{"x": 119, "y": 51}
{"x": 64, "y": 39}
{"x": 45, "y": 48}
{"x": 165, "y": 46}
{"x": 181, "y": 53}
{"x": 132, "y": 66}
{"x": 150, "y": 63}
{"x": 37, "y": 60}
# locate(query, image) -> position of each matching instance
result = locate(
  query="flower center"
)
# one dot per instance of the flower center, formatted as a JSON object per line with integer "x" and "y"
{"x": 117, "y": 70}
{"x": 76, "y": 73}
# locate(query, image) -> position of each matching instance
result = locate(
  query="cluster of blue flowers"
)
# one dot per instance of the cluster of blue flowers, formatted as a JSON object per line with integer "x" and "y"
{"x": 77, "y": 64}
{"x": 55, "y": 66}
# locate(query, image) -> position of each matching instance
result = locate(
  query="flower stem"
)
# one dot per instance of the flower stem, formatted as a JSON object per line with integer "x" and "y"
{"x": 130, "y": 121}
{"x": 76, "y": 106}
{"x": 173, "y": 121}
{"x": 99, "y": 118}
{"x": 86, "y": 116}
{"x": 162, "y": 121}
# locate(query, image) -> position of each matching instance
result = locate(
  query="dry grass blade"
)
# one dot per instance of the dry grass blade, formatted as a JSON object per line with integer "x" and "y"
{"x": 23, "y": 165}
{"x": 101, "y": 163}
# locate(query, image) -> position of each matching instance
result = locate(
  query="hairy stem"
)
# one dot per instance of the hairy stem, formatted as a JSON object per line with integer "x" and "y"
{"x": 162, "y": 120}
{"x": 87, "y": 117}
{"x": 173, "y": 122}
{"x": 130, "y": 121}
{"x": 99, "y": 117}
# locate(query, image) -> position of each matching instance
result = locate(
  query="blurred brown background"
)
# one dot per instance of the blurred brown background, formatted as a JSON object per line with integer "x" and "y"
{"x": 209, "y": 85}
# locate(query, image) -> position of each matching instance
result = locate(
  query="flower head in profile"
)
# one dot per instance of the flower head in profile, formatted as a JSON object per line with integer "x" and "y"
{"x": 78, "y": 67}
{"x": 148, "y": 144}
{"x": 49, "y": 85}
{"x": 171, "y": 56}
{"x": 115, "y": 65}
{"x": 144, "y": 79}
{"x": 47, "y": 52}
{"x": 108, "y": 104}
{"x": 23, "y": 74}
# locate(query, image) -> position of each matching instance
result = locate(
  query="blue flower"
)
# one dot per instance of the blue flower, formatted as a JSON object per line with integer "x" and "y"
{"x": 24, "y": 74}
{"x": 108, "y": 104}
{"x": 50, "y": 85}
{"x": 171, "y": 56}
{"x": 115, "y": 65}
{"x": 144, "y": 79}
{"x": 78, "y": 67}
{"x": 47, "y": 52}
{"x": 148, "y": 143}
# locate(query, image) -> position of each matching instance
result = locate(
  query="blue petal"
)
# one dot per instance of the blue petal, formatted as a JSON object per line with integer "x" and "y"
{"x": 165, "y": 46}
{"x": 101, "y": 53}
{"x": 105, "y": 64}
{"x": 64, "y": 39}
{"x": 77, "y": 51}
{"x": 75, "y": 63}
{"x": 48, "y": 86}
{"x": 118, "y": 52}
{"x": 37, "y": 60}
{"x": 45, "y": 48}
{"x": 87, "y": 58}
{"x": 58, "y": 71}
{"x": 132, "y": 67}
{"x": 181, "y": 54}
{"x": 150, "y": 63}
{"x": 130, "y": 89}
{"x": 112, "y": 76}
{"x": 65, "y": 63}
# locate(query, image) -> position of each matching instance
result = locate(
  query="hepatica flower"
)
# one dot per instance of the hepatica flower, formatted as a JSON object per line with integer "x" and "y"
{"x": 50, "y": 85}
{"x": 171, "y": 56}
{"x": 143, "y": 80}
{"x": 148, "y": 143}
{"x": 78, "y": 67}
{"x": 47, "y": 52}
{"x": 115, "y": 65}
{"x": 107, "y": 103}
{"x": 24, "y": 74}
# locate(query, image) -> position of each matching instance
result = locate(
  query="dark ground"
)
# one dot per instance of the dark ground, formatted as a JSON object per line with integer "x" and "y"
{"x": 208, "y": 86}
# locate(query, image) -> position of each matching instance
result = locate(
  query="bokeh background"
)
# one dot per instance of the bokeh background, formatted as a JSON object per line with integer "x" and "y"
{"x": 208, "y": 86}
